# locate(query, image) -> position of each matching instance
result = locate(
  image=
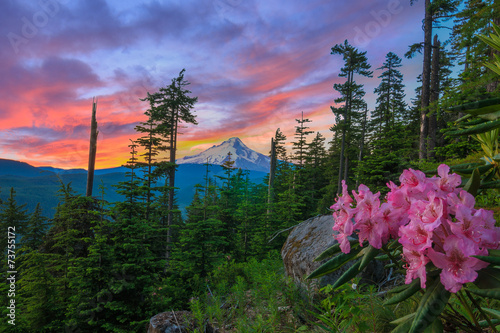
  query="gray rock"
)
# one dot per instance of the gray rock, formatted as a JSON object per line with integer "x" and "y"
{"x": 307, "y": 241}
{"x": 171, "y": 322}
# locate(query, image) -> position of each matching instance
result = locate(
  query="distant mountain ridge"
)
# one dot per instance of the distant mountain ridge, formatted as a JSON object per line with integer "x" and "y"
{"x": 243, "y": 157}
{"x": 40, "y": 184}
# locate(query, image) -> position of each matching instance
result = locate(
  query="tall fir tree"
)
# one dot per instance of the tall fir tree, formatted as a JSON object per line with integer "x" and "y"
{"x": 355, "y": 62}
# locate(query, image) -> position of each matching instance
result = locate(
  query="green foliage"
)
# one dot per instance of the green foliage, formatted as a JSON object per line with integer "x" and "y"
{"x": 352, "y": 308}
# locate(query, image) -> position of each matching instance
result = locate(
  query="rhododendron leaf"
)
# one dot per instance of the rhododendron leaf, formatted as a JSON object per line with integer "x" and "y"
{"x": 473, "y": 184}
{"x": 481, "y": 128}
{"x": 402, "y": 328}
{"x": 478, "y": 107}
{"x": 413, "y": 287}
{"x": 349, "y": 274}
{"x": 492, "y": 312}
{"x": 488, "y": 278}
{"x": 490, "y": 293}
{"x": 430, "y": 307}
{"x": 334, "y": 264}
{"x": 494, "y": 253}
{"x": 333, "y": 250}
{"x": 382, "y": 257}
{"x": 494, "y": 184}
{"x": 370, "y": 253}
{"x": 484, "y": 323}
{"x": 482, "y": 169}
{"x": 457, "y": 167}
{"x": 435, "y": 327}
{"x": 490, "y": 259}
{"x": 399, "y": 289}
{"x": 403, "y": 319}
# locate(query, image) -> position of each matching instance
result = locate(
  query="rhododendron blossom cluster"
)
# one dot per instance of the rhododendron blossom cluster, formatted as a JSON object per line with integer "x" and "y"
{"x": 434, "y": 220}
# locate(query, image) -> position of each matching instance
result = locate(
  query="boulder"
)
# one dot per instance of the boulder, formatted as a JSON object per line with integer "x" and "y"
{"x": 171, "y": 322}
{"x": 307, "y": 241}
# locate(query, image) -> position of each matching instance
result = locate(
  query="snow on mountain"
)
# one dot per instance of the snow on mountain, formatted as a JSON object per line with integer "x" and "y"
{"x": 243, "y": 157}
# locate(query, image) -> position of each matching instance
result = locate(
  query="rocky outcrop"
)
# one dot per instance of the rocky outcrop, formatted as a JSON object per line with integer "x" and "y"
{"x": 171, "y": 322}
{"x": 307, "y": 241}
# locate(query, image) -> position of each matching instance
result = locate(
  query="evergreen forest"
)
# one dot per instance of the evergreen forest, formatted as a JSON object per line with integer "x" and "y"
{"x": 100, "y": 266}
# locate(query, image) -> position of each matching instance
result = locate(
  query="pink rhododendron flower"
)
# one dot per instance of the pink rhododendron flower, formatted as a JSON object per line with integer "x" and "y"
{"x": 389, "y": 220}
{"x": 415, "y": 182}
{"x": 415, "y": 268}
{"x": 490, "y": 237}
{"x": 367, "y": 206}
{"x": 465, "y": 199}
{"x": 456, "y": 264}
{"x": 415, "y": 237}
{"x": 447, "y": 183}
{"x": 432, "y": 219}
{"x": 428, "y": 212}
{"x": 343, "y": 201}
{"x": 468, "y": 225}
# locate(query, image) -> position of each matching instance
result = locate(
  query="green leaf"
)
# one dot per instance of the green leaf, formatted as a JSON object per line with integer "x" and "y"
{"x": 494, "y": 184}
{"x": 333, "y": 250}
{"x": 481, "y": 128}
{"x": 488, "y": 278}
{"x": 403, "y": 319}
{"x": 490, "y": 293}
{"x": 382, "y": 257}
{"x": 492, "y": 312}
{"x": 484, "y": 323}
{"x": 334, "y": 264}
{"x": 430, "y": 307}
{"x": 413, "y": 287}
{"x": 482, "y": 169}
{"x": 370, "y": 253}
{"x": 435, "y": 327}
{"x": 404, "y": 326}
{"x": 478, "y": 107}
{"x": 473, "y": 184}
{"x": 349, "y": 274}
{"x": 490, "y": 259}
{"x": 494, "y": 253}
{"x": 399, "y": 289}
{"x": 489, "y": 116}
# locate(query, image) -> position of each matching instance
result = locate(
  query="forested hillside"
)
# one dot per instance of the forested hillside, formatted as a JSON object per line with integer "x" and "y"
{"x": 100, "y": 266}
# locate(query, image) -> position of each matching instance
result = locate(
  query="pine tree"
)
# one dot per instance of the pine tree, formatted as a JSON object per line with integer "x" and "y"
{"x": 355, "y": 62}
{"x": 387, "y": 153}
{"x": 300, "y": 146}
{"x": 391, "y": 107}
{"x": 36, "y": 229}
{"x": 202, "y": 239}
{"x": 315, "y": 172}
{"x": 473, "y": 19}
{"x": 171, "y": 106}
{"x": 13, "y": 216}
{"x": 434, "y": 11}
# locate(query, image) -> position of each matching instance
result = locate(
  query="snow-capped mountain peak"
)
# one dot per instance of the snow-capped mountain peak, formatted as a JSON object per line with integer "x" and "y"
{"x": 243, "y": 157}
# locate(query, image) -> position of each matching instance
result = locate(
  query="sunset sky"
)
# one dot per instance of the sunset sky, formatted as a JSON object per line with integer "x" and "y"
{"x": 255, "y": 65}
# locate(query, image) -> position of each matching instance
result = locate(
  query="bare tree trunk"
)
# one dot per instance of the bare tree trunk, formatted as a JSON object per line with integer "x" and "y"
{"x": 362, "y": 143}
{"x": 92, "y": 149}
{"x": 422, "y": 151}
{"x": 171, "y": 190}
{"x": 341, "y": 162}
{"x": 272, "y": 171}
{"x": 434, "y": 96}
